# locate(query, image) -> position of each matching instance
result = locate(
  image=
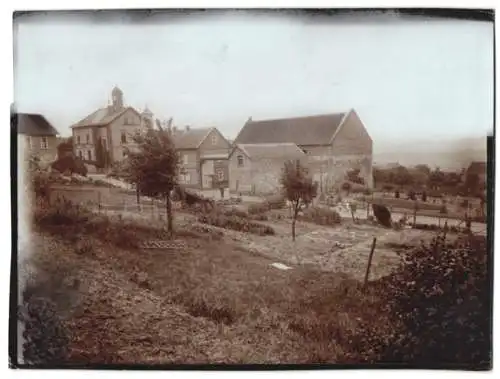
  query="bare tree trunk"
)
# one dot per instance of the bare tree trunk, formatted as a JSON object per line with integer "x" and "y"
{"x": 170, "y": 222}
{"x": 296, "y": 207}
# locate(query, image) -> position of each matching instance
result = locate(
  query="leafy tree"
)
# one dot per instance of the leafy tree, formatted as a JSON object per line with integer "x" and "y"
{"x": 152, "y": 165}
{"x": 423, "y": 168}
{"x": 379, "y": 176}
{"x": 298, "y": 187}
{"x": 401, "y": 176}
{"x": 436, "y": 179}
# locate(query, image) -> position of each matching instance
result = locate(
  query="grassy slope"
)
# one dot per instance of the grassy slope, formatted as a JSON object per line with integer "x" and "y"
{"x": 210, "y": 302}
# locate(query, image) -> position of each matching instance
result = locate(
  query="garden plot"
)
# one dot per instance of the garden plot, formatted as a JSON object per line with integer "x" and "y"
{"x": 344, "y": 248}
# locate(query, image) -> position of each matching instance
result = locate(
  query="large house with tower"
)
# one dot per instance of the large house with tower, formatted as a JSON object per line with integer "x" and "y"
{"x": 333, "y": 144}
{"x": 101, "y": 137}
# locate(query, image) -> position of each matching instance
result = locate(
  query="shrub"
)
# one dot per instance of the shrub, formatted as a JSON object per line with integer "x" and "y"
{"x": 276, "y": 202}
{"x": 235, "y": 212}
{"x": 321, "y": 216}
{"x": 382, "y": 214}
{"x": 49, "y": 296}
{"x": 412, "y": 195}
{"x": 424, "y": 196}
{"x": 441, "y": 302}
{"x": 257, "y": 208}
{"x": 46, "y": 339}
{"x": 346, "y": 186}
{"x": 388, "y": 187}
{"x": 235, "y": 223}
{"x": 219, "y": 313}
{"x": 71, "y": 164}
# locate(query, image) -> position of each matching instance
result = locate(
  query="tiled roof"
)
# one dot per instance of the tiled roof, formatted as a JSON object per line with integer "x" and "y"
{"x": 32, "y": 125}
{"x": 272, "y": 150}
{"x": 190, "y": 139}
{"x": 102, "y": 116}
{"x": 311, "y": 130}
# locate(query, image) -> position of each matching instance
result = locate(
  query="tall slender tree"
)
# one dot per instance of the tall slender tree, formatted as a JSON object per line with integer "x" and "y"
{"x": 298, "y": 187}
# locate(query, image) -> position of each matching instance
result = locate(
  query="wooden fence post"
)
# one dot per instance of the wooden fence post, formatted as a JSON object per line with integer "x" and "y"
{"x": 99, "y": 201}
{"x": 370, "y": 261}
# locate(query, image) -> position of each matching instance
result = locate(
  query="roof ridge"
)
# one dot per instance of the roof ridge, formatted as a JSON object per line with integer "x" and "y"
{"x": 299, "y": 117}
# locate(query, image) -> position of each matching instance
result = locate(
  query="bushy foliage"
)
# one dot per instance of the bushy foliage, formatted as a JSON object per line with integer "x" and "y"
{"x": 321, "y": 216}
{"x": 258, "y": 208}
{"x": 65, "y": 148}
{"x": 346, "y": 186}
{"x": 46, "y": 339}
{"x": 276, "y": 201}
{"x": 71, "y": 221}
{"x": 234, "y": 222}
{"x": 70, "y": 164}
{"x": 382, "y": 215}
{"x": 441, "y": 303}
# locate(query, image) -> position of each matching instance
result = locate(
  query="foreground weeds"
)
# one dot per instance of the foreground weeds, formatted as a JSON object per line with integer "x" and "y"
{"x": 232, "y": 307}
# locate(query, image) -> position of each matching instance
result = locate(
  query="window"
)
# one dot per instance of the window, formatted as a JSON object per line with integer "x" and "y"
{"x": 80, "y": 154}
{"x": 78, "y": 140}
{"x": 89, "y": 155}
{"x": 184, "y": 178}
{"x": 88, "y": 138}
{"x": 185, "y": 159}
{"x": 124, "y": 137}
{"x": 44, "y": 143}
{"x": 240, "y": 160}
{"x": 214, "y": 139}
{"x": 104, "y": 143}
{"x": 220, "y": 175}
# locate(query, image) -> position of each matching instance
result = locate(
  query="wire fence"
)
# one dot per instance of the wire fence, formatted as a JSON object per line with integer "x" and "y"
{"x": 113, "y": 202}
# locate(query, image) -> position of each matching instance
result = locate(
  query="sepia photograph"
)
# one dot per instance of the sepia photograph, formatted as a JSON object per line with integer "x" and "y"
{"x": 252, "y": 189}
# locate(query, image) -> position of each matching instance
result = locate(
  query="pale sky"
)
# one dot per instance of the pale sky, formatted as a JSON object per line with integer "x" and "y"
{"x": 405, "y": 78}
